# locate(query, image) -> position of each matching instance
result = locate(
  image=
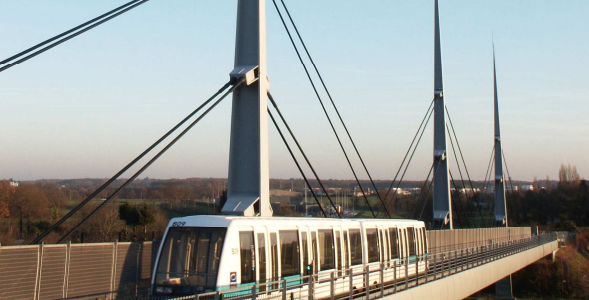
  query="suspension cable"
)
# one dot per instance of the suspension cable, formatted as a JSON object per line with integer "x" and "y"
{"x": 458, "y": 199}
{"x": 123, "y": 170}
{"x": 334, "y": 106}
{"x": 303, "y": 152}
{"x": 421, "y": 191}
{"x": 511, "y": 184}
{"x": 325, "y": 111}
{"x": 459, "y": 149}
{"x": 151, "y": 161}
{"x": 484, "y": 187}
{"x": 392, "y": 201}
{"x": 407, "y": 153}
{"x": 65, "y": 33}
{"x": 461, "y": 177}
{"x": 429, "y": 189}
{"x": 9, "y": 65}
{"x": 296, "y": 162}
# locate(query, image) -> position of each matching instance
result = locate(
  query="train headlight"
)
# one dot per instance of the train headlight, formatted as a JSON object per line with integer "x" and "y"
{"x": 159, "y": 290}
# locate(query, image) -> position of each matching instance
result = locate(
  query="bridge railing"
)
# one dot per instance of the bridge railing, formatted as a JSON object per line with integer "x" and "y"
{"x": 72, "y": 270}
{"x": 379, "y": 279}
{"x": 448, "y": 240}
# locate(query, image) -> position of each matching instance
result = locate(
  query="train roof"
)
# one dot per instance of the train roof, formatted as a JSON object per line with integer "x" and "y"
{"x": 226, "y": 220}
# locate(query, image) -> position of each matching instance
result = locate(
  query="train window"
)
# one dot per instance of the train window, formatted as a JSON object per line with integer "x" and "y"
{"x": 424, "y": 235}
{"x": 314, "y": 249}
{"x": 248, "y": 262}
{"x": 274, "y": 256}
{"x": 411, "y": 240}
{"x": 346, "y": 255}
{"x": 191, "y": 256}
{"x": 355, "y": 247}
{"x": 262, "y": 260}
{"x": 382, "y": 246}
{"x": 326, "y": 260}
{"x": 394, "y": 245}
{"x": 418, "y": 241}
{"x": 373, "y": 251}
{"x": 289, "y": 253}
{"x": 338, "y": 251}
{"x": 403, "y": 236}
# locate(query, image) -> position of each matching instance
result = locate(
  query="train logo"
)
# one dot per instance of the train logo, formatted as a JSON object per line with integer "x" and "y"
{"x": 233, "y": 277}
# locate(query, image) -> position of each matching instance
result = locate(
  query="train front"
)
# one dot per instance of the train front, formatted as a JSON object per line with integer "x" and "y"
{"x": 190, "y": 255}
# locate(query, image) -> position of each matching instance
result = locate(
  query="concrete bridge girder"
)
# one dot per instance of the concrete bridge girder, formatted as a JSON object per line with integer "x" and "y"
{"x": 468, "y": 282}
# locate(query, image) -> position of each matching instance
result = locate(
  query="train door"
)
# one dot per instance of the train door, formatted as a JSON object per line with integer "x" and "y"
{"x": 306, "y": 266}
{"x": 356, "y": 255}
{"x": 372, "y": 248}
{"x": 247, "y": 257}
{"x": 262, "y": 257}
{"x": 383, "y": 246}
{"x": 387, "y": 238}
{"x": 346, "y": 256}
{"x": 314, "y": 251}
{"x": 403, "y": 241}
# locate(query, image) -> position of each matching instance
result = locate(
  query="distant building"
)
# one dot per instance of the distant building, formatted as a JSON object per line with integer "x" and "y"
{"x": 511, "y": 188}
{"x": 358, "y": 192}
{"x": 527, "y": 187}
{"x": 14, "y": 183}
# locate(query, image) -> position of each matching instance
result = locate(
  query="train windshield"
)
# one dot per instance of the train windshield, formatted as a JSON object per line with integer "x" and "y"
{"x": 189, "y": 260}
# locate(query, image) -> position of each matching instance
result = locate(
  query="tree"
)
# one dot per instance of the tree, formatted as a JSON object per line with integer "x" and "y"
{"x": 29, "y": 202}
{"x": 103, "y": 226}
{"x": 56, "y": 198}
{"x": 6, "y": 192}
{"x": 535, "y": 185}
{"x": 4, "y": 210}
{"x": 146, "y": 216}
{"x": 129, "y": 214}
{"x": 222, "y": 200}
{"x": 568, "y": 176}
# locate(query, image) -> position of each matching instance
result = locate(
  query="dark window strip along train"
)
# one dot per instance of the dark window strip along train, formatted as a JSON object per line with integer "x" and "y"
{"x": 202, "y": 254}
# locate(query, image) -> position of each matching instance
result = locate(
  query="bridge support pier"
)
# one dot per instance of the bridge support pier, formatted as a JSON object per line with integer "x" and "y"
{"x": 503, "y": 289}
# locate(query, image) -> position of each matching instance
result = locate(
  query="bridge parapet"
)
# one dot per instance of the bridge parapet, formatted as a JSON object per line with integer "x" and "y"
{"x": 72, "y": 270}
{"x": 449, "y": 240}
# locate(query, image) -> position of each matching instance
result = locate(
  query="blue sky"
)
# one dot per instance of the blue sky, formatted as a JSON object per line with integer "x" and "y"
{"x": 89, "y": 106}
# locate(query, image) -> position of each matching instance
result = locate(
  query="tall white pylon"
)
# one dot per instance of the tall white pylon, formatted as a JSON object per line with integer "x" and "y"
{"x": 442, "y": 206}
{"x": 248, "y": 183}
{"x": 500, "y": 205}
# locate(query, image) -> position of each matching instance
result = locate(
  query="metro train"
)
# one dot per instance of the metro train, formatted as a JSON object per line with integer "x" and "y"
{"x": 201, "y": 254}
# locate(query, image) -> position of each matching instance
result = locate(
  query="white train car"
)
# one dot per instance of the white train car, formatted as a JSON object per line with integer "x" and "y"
{"x": 201, "y": 254}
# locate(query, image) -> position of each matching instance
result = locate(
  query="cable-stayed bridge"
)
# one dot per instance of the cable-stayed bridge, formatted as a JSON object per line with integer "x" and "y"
{"x": 442, "y": 263}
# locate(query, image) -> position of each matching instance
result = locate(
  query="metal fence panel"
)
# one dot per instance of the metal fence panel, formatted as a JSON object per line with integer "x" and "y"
{"x": 146, "y": 259}
{"x": 18, "y": 275}
{"x": 90, "y": 269}
{"x": 52, "y": 275}
{"x": 127, "y": 266}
